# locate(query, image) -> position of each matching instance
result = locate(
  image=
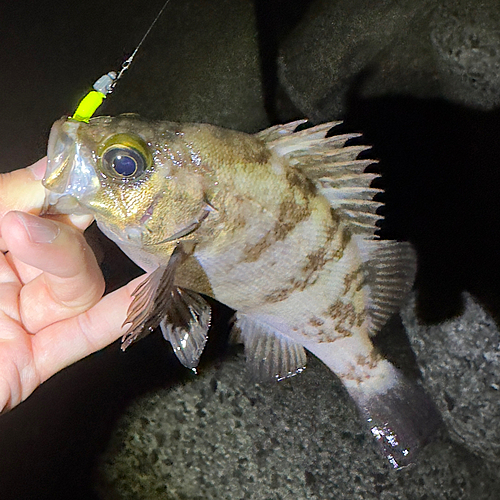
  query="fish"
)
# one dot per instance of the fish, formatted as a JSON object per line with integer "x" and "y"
{"x": 279, "y": 225}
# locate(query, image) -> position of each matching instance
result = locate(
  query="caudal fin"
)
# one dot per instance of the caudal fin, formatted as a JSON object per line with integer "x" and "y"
{"x": 402, "y": 420}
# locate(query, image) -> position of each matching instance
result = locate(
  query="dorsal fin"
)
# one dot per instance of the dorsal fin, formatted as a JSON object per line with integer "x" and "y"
{"x": 277, "y": 131}
{"x": 270, "y": 355}
{"x": 389, "y": 268}
{"x": 333, "y": 167}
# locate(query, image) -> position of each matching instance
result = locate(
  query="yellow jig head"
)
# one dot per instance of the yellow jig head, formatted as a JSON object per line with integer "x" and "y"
{"x": 105, "y": 85}
{"x": 94, "y": 98}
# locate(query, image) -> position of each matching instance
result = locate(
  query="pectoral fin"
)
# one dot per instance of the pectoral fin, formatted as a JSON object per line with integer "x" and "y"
{"x": 270, "y": 355}
{"x": 183, "y": 315}
{"x": 186, "y": 325}
{"x": 148, "y": 306}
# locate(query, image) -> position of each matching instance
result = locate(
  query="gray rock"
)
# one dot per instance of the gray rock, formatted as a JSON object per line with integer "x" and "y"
{"x": 460, "y": 364}
{"x": 466, "y": 40}
{"x": 220, "y": 436}
{"x": 425, "y": 49}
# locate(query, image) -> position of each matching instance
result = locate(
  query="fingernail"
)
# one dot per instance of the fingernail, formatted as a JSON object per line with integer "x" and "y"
{"x": 39, "y": 230}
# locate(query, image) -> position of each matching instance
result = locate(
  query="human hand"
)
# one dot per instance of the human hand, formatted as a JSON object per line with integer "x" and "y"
{"x": 52, "y": 312}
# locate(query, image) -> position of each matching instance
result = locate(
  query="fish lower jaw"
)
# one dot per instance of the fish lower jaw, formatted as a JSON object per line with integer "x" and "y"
{"x": 129, "y": 235}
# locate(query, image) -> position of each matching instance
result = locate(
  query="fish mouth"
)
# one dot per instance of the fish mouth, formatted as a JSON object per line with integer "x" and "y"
{"x": 56, "y": 204}
{"x": 70, "y": 177}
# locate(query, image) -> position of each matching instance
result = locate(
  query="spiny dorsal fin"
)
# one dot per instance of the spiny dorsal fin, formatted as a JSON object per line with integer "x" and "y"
{"x": 270, "y": 355}
{"x": 390, "y": 268}
{"x": 333, "y": 167}
{"x": 277, "y": 131}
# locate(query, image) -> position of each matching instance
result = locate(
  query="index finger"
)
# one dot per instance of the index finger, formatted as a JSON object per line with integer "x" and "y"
{"x": 22, "y": 190}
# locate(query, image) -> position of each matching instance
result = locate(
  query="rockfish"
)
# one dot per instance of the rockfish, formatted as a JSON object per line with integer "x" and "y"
{"x": 278, "y": 225}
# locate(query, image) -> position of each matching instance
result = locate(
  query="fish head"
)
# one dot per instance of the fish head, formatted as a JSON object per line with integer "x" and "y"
{"x": 137, "y": 178}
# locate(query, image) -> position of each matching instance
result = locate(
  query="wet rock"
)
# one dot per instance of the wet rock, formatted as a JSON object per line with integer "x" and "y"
{"x": 221, "y": 436}
{"x": 460, "y": 364}
{"x": 425, "y": 49}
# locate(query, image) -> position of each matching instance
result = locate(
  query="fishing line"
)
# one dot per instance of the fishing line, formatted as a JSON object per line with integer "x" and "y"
{"x": 126, "y": 64}
{"x": 107, "y": 83}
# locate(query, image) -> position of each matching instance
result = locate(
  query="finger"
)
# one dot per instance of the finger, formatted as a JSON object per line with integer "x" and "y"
{"x": 71, "y": 282}
{"x": 25, "y": 272}
{"x": 9, "y": 292}
{"x": 22, "y": 189}
{"x": 68, "y": 341}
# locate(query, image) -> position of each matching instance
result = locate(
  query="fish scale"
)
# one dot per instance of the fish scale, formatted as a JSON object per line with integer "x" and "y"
{"x": 278, "y": 225}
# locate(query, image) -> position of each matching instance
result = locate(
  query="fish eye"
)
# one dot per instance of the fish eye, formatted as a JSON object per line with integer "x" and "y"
{"x": 125, "y": 156}
{"x": 123, "y": 161}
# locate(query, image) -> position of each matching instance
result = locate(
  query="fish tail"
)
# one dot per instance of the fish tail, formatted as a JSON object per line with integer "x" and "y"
{"x": 403, "y": 419}
{"x": 398, "y": 412}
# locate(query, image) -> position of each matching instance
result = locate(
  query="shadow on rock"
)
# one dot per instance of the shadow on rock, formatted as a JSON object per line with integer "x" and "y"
{"x": 440, "y": 166}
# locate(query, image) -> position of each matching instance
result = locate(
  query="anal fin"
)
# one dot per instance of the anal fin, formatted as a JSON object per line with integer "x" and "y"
{"x": 271, "y": 356}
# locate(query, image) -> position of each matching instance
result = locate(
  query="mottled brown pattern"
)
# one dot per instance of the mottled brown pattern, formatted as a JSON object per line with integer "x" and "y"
{"x": 309, "y": 273}
{"x": 353, "y": 375}
{"x": 356, "y": 278}
{"x": 289, "y": 215}
{"x": 253, "y": 253}
{"x": 346, "y": 238}
{"x": 315, "y": 321}
{"x": 295, "y": 285}
{"x": 371, "y": 360}
{"x": 297, "y": 180}
{"x": 317, "y": 260}
{"x": 278, "y": 295}
{"x": 345, "y": 317}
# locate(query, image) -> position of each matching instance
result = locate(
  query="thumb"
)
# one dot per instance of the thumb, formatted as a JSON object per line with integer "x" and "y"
{"x": 22, "y": 189}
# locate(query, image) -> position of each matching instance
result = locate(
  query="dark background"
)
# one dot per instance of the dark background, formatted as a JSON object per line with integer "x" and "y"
{"x": 440, "y": 165}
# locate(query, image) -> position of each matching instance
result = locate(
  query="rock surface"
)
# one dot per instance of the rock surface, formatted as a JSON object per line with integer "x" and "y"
{"x": 201, "y": 64}
{"x": 220, "y": 436}
{"x": 460, "y": 364}
{"x": 424, "y": 48}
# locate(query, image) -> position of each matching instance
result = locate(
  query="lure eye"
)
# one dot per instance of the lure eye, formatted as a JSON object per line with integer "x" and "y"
{"x": 124, "y": 161}
{"x": 125, "y": 156}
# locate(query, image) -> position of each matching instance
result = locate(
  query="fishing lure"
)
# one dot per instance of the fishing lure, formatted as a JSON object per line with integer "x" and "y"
{"x": 107, "y": 83}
